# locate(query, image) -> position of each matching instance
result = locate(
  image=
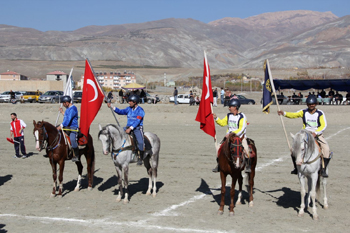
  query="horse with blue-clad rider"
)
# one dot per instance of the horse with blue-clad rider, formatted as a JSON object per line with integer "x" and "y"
{"x": 135, "y": 115}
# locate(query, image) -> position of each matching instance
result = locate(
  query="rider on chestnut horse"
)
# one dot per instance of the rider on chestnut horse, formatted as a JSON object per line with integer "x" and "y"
{"x": 70, "y": 122}
{"x": 237, "y": 123}
{"x": 314, "y": 120}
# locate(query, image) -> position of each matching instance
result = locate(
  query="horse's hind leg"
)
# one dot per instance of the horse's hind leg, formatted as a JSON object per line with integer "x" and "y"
{"x": 119, "y": 176}
{"x": 90, "y": 167}
{"x": 126, "y": 182}
{"x": 80, "y": 171}
{"x": 154, "y": 176}
{"x": 54, "y": 177}
{"x": 325, "y": 200}
{"x": 251, "y": 176}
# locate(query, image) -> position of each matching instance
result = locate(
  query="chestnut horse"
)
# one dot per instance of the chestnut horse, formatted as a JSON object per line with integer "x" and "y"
{"x": 232, "y": 162}
{"x": 48, "y": 137}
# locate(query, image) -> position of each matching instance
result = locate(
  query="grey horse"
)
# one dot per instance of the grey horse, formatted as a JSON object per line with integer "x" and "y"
{"x": 121, "y": 153}
{"x": 308, "y": 160}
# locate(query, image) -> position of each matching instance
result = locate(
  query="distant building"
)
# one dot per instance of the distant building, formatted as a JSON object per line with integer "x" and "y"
{"x": 114, "y": 80}
{"x": 56, "y": 76}
{"x": 170, "y": 84}
{"x": 11, "y": 75}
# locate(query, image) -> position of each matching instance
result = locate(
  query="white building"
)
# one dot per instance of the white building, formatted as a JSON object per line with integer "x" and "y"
{"x": 114, "y": 80}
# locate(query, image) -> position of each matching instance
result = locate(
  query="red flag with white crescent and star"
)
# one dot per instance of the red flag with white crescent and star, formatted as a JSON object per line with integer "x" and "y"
{"x": 91, "y": 100}
{"x": 204, "y": 115}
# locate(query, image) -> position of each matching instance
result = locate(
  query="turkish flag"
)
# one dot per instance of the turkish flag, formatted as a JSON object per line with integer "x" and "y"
{"x": 204, "y": 115}
{"x": 91, "y": 100}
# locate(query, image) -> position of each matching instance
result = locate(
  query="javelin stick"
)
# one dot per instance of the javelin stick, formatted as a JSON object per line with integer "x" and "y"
{"x": 65, "y": 92}
{"x": 113, "y": 113}
{"x": 278, "y": 106}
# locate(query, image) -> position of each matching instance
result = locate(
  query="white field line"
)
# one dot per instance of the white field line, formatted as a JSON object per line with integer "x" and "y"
{"x": 104, "y": 222}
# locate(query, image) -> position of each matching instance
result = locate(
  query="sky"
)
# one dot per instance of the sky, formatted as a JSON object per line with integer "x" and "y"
{"x": 69, "y": 15}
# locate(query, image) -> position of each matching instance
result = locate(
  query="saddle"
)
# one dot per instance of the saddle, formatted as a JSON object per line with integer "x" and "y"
{"x": 81, "y": 138}
{"x": 146, "y": 141}
{"x": 250, "y": 142}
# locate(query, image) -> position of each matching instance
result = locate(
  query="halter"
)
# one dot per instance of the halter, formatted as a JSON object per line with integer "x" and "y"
{"x": 116, "y": 152}
{"x": 44, "y": 141}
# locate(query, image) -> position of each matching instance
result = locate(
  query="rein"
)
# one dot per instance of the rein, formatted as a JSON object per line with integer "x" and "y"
{"x": 45, "y": 139}
{"x": 315, "y": 159}
{"x": 116, "y": 152}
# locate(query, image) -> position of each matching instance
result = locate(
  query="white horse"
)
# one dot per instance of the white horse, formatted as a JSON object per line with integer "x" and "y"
{"x": 115, "y": 137}
{"x": 308, "y": 160}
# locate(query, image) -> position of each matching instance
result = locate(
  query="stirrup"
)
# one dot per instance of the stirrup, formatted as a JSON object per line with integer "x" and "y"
{"x": 139, "y": 161}
{"x": 75, "y": 159}
{"x": 295, "y": 171}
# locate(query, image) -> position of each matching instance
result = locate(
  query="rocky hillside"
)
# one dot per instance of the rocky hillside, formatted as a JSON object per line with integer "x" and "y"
{"x": 291, "y": 38}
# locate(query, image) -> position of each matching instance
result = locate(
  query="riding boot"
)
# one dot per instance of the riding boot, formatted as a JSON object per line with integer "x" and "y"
{"x": 75, "y": 155}
{"x": 248, "y": 165}
{"x": 216, "y": 169}
{"x": 140, "y": 158}
{"x": 324, "y": 170}
{"x": 295, "y": 171}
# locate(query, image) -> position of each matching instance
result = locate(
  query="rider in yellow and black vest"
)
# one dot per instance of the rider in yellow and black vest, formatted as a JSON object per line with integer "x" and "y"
{"x": 237, "y": 123}
{"x": 314, "y": 120}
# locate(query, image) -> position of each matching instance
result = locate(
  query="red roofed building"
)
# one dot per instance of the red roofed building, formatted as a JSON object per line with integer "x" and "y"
{"x": 11, "y": 75}
{"x": 56, "y": 76}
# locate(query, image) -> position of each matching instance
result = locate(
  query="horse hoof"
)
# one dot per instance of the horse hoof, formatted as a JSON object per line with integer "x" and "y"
{"x": 325, "y": 207}
{"x": 77, "y": 189}
{"x": 315, "y": 217}
{"x": 126, "y": 201}
{"x": 238, "y": 203}
{"x": 220, "y": 212}
{"x": 148, "y": 193}
{"x": 251, "y": 204}
{"x": 89, "y": 188}
{"x": 118, "y": 199}
{"x": 52, "y": 195}
{"x": 300, "y": 214}
{"x": 59, "y": 196}
{"x": 231, "y": 214}
{"x": 154, "y": 194}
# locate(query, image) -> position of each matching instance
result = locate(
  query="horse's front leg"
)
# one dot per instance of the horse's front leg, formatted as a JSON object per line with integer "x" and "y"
{"x": 223, "y": 191}
{"x": 80, "y": 171}
{"x": 54, "y": 177}
{"x": 312, "y": 192}
{"x": 240, "y": 183}
{"x": 126, "y": 183}
{"x": 302, "y": 195}
{"x": 119, "y": 177}
{"x": 60, "y": 178}
{"x": 232, "y": 194}
{"x": 325, "y": 200}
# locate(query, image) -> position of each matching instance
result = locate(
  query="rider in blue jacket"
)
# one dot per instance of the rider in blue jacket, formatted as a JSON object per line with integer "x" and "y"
{"x": 135, "y": 115}
{"x": 70, "y": 122}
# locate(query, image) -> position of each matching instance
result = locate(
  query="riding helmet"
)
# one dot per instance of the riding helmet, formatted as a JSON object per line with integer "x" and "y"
{"x": 134, "y": 98}
{"x": 235, "y": 102}
{"x": 311, "y": 99}
{"x": 66, "y": 98}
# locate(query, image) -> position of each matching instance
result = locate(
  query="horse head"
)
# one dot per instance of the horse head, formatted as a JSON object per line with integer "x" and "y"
{"x": 105, "y": 137}
{"x": 303, "y": 146}
{"x": 236, "y": 150}
{"x": 40, "y": 135}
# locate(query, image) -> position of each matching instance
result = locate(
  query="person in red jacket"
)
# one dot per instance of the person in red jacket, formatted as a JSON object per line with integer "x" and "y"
{"x": 16, "y": 132}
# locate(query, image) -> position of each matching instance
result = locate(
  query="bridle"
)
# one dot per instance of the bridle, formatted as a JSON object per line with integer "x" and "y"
{"x": 236, "y": 149}
{"x": 305, "y": 150}
{"x": 44, "y": 142}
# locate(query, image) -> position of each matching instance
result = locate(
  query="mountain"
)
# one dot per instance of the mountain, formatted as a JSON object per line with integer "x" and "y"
{"x": 290, "y": 38}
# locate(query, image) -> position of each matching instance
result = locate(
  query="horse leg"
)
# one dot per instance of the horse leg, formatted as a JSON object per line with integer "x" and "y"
{"x": 302, "y": 195}
{"x": 126, "y": 183}
{"x": 80, "y": 171}
{"x": 325, "y": 200}
{"x": 223, "y": 190}
{"x": 119, "y": 176}
{"x": 150, "y": 173}
{"x": 60, "y": 178}
{"x": 54, "y": 177}
{"x": 313, "y": 182}
{"x": 90, "y": 160}
{"x": 154, "y": 176}
{"x": 240, "y": 183}
{"x": 232, "y": 194}
{"x": 251, "y": 176}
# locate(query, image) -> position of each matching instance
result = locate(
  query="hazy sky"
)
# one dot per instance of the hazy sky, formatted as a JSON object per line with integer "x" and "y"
{"x": 68, "y": 15}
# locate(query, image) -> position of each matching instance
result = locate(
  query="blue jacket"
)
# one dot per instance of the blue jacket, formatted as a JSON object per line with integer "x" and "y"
{"x": 135, "y": 117}
{"x": 70, "y": 118}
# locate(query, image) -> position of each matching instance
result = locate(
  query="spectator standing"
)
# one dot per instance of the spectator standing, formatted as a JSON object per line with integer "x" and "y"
{"x": 175, "y": 95}
{"x": 227, "y": 97}
{"x": 222, "y": 95}
{"x": 192, "y": 102}
{"x": 121, "y": 94}
{"x": 12, "y": 97}
{"x": 16, "y": 132}
{"x": 110, "y": 96}
{"x": 215, "y": 97}
{"x": 143, "y": 96}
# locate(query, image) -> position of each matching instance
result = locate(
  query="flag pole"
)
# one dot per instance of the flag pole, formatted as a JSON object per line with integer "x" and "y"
{"x": 113, "y": 113}
{"x": 65, "y": 91}
{"x": 278, "y": 106}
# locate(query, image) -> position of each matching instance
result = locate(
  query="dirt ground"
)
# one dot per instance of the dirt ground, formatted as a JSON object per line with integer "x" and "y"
{"x": 188, "y": 192}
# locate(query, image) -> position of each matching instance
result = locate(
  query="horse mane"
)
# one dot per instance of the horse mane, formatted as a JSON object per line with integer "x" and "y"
{"x": 47, "y": 125}
{"x": 121, "y": 133}
{"x": 226, "y": 145}
{"x": 310, "y": 142}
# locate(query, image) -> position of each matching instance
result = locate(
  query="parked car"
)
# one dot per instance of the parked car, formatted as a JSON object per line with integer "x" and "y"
{"x": 181, "y": 99}
{"x": 5, "y": 96}
{"x": 31, "y": 96}
{"x": 50, "y": 97}
{"x": 243, "y": 100}
{"x": 77, "y": 96}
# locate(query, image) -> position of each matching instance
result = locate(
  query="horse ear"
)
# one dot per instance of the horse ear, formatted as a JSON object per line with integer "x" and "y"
{"x": 292, "y": 135}
{"x": 100, "y": 127}
{"x": 34, "y": 123}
